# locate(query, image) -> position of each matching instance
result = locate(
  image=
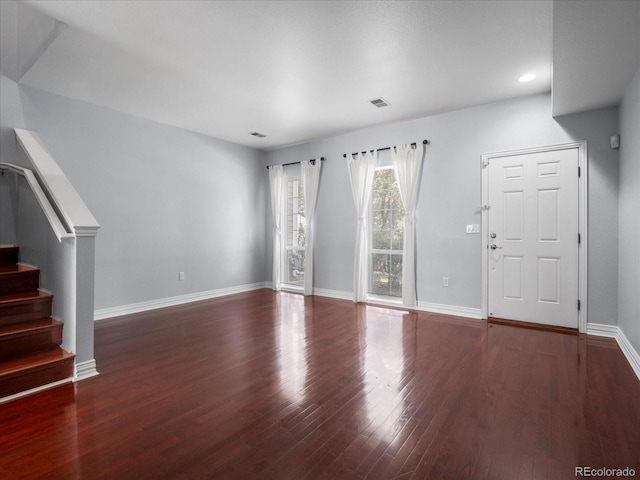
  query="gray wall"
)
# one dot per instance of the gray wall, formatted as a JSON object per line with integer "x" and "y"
{"x": 451, "y": 195}
{"x": 24, "y": 34}
{"x": 167, "y": 200}
{"x": 629, "y": 269}
{"x": 11, "y": 117}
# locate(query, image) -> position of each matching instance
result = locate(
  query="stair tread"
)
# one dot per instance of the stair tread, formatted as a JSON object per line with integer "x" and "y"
{"x": 22, "y": 307}
{"x": 17, "y": 268}
{"x": 24, "y": 297}
{"x": 24, "y": 363}
{"x": 30, "y": 325}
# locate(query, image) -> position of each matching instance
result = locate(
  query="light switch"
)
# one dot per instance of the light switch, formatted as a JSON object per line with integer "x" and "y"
{"x": 475, "y": 228}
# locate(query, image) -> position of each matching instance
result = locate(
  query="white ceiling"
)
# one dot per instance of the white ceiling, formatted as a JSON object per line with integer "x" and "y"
{"x": 297, "y": 71}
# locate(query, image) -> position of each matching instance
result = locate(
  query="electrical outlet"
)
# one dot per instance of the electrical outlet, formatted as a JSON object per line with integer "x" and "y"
{"x": 445, "y": 281}
{"x": 181, "y": 276}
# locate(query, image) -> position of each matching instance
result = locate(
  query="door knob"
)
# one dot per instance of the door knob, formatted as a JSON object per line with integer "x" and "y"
{"x": 493, "y": 246}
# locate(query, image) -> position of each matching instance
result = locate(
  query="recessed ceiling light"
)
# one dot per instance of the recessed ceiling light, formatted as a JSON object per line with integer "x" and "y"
{"x": 527, "y": 77}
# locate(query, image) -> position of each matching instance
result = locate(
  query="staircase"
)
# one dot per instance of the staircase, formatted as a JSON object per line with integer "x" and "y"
{"x": 30, "y": 353}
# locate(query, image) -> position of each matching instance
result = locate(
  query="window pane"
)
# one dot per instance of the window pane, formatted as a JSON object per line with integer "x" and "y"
{"x": 380, "y": 274}
{"x": 295, "y": 267}
{"x": 381, "y": 240}
{"x": 395, "y": 276}
{"x": 397, "y": 237}
{"x": 377, "y": 219}
{"x": 377, "y": 202}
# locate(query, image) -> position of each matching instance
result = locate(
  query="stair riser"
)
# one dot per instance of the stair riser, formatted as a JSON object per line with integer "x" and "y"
{"x": 22, "y": 343}
{"x": 8, "y": 256}
{"x": 24, "y": 311}
{"x": 37, "y": 376}
{"x": 19, "y": 282}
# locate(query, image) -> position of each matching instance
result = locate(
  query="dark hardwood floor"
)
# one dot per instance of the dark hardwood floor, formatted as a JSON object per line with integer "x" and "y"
{"x": 278, "y": 386}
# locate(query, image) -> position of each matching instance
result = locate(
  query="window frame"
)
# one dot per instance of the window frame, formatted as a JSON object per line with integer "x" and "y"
{"x": 376, "y": 297}
{"x": 284, "y": 254}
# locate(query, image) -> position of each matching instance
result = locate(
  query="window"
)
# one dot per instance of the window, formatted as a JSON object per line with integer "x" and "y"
{"x": 387, "y": 232}
{"x": 296, "y": 225}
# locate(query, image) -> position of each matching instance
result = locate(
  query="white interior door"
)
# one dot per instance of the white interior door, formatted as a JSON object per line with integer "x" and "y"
{"x": 532, "y": 238}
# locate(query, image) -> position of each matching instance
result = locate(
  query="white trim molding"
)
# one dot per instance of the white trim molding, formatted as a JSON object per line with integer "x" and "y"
{"x": 104, "y": 313}
{"x": 613, "y": 331}
{"x": 84, "y": 370}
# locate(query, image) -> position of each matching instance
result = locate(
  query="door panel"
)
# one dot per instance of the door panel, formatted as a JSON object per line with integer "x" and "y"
{"x": 533, "y": 226}
{"x": 513, "y": 277}
{"x": 549, "y": 215}
{"x": 549, "y": 280}
{"x": 514, "y": 216}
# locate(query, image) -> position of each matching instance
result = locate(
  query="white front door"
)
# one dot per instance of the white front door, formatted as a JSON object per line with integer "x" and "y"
{"x": 532, "y": 238}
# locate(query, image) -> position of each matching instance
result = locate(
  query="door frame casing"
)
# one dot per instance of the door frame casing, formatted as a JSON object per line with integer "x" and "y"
{"x": 581, "y": 146}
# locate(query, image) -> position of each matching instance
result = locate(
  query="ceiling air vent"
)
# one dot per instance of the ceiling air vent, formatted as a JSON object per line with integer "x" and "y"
{"x": 379, "y": 102}
{"x": 256, "y": 134}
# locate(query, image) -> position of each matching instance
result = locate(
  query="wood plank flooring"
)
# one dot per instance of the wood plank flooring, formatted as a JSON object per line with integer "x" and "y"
{"x": 277, "y": 386}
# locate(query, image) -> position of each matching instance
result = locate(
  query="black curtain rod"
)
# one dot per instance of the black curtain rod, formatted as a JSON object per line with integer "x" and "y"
{"x": 313, "y": 161}
{"x": 424, "y": 142}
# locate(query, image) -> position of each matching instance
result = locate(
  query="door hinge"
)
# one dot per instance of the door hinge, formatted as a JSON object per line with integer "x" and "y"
{"x": 579, "y": 239}
{"x": 486, "y": 206}
{"x": 485, "y": 163}
{"x": 579, "y": 305}
{"x": 579, "y": 171}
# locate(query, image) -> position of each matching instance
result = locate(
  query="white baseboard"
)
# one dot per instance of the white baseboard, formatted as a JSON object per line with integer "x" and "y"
{"x": 338, "y": 294}
{"x": 613, "y": 331}
{"x": 84, "y": 370}
{"x": 601, "y": 330}
{"x": 467, "y": 312}
{"x": 104, "y": 313}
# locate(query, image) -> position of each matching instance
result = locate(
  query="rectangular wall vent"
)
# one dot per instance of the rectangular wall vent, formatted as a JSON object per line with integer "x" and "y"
{"x": 379, "y": 102}
{"x": 256, "y": 134}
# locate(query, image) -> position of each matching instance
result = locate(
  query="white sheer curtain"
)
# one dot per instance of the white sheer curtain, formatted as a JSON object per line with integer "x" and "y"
{"x": 361, "y": 170}
{"x": 407, "y": 163}
{"x": 310, "y": 180}
{"x": 276, "y": 174}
